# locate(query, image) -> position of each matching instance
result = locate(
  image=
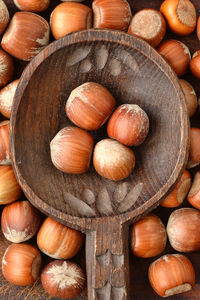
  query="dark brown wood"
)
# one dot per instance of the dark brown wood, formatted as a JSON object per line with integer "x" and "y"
{"x": 139, "y": 291}
{"x": 134, "y": 73}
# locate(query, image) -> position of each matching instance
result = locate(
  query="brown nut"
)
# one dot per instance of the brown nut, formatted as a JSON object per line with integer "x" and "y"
{"x": 71, "y": 150}
{"x": 32, "y": 5}
{"x": 179, "y": 192}
{"x": 112, "y": 14}
{"x": 20, "y": 221}
{"x": 21, "y": 264}
{"x": 183, "y": 229}
{"x": 177, "y": 55}
{"x": 6, "y": 67}
{"x": 148, "y": 236}
{"x": 129, "y": 124}
{"x": 149, "y": 25}
{"x": 6, "y": 98}
{"x": 190, "y": 97}
{"x": 89, "y": 105}
{"x": 10, "y": 190}
{"x": 195, "y": 64}
{"x": 5, "y": 156}
{"x": 113, "y": 160}
{"x": 67, "y": 286}
{"x": 68, "y": 17}
{"x": 194, "y": 193}
{"x": 171, "y": 274}
{"x": 194, "y": 150}
{"x": 4, "y": 16}
{"x": 59, "y": 241}
{"x": 180, "y": 16}
{"x": 34, "y": 38}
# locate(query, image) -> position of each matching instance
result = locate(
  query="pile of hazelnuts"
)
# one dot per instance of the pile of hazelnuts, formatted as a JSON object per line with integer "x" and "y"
{"x": 20, "y": 221}
{"x": 89, "y": 107}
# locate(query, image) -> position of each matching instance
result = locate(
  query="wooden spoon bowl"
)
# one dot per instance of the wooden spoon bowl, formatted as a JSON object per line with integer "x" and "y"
{"x": 134, "y": 73}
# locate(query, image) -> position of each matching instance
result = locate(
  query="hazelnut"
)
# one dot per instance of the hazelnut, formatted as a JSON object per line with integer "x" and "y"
{"x": 6, "y": 98}
{"x": 4, "y": 16}
{"x": 34, "y": 38}
{"x": 148, "y": 236}
{"x": 32, "y": 5}
{"x": 5, "y": 157}
{"x": 129, "y": 124}
{"x": 177, "y": 55}
{"x": 89, "y": 105}
{"x": 112, "y": 14}
{"x": 180, "y": 16}
{"x": 194, "y": 150}
{"x": 194, "y": 193}
{"x": 183, "y": 229}
{"x": 20, "y": 221}
{"x": 190, "y": 97}
{"x": 198, "y": 28}
{"x": 195, "y": 64}
{"x": 149, "y": 25}
{"x": 171, "y": 274}
{"x": 63, "y": 279}
{"x": 6, "y": 67}
{"x": 10, "y": 190}
{"x": 68, "y": 17}
{"x": 177, "y": 195}
{"x": 71, "y": 150}
{"x": 21, "y": 264}
{"x": 58, "y": 241}
{"x": 113, "y": 160}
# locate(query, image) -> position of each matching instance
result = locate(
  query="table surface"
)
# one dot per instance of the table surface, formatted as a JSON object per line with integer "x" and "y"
{"x": 140, "y": 287}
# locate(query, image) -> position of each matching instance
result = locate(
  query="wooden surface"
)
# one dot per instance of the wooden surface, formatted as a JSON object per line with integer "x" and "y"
{"x": 134, "y": 73}
{"x": 140, "y": 288}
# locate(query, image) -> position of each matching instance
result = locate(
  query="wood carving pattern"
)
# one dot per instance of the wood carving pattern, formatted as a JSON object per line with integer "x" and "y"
{"x": 122, "y": 200}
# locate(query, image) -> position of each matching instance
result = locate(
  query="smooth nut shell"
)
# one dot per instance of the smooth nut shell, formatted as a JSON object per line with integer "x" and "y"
{"x": 59, "y": 241}
{"x": 195, "y": 65}
{"x": 32, "y": 5}
{"x": 113, "y": 160}
{"x": 198, "y": 28}
{"x": 194, "y": 150}
{"x": 183, "y": 229}
{"x": 149, "y": 25}
{"x": 10, "y": 190}
{"x": 89, "y": 105}
{"x": 148, "y": 236}
{"x": 179, "y": 192}
{"x": 180, "y": 16}
{"x": 129, "y": 124}
{"x": 68, "y": 17}
{"x": 34, "y": 38}
{"x": 6, "y": 67}
{"x": 21, "y": 264}
{"x": 4, "y": 16}
{"x": 20, "y": 221}
{"x": 177, "y": 55}
{"x": 194, "y": 193}
{"x": 6, "y": 98}
{"x": 71, "y": 150}
{"x": 5, "y": 156}
{"x": 112, "y": 14}
{"x": 67, "y": 286}
{"x": 190, "y": 97}
{"x": 171, "y": 274}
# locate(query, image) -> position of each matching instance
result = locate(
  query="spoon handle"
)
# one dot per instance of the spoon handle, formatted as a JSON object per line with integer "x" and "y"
{"x": 107, "y": 261}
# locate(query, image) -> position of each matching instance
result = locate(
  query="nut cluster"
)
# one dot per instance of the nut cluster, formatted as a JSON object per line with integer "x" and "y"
{"x": 89, "y": 106}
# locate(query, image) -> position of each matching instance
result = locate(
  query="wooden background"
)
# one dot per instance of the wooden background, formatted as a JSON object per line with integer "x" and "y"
{"x": 140, "y": 287}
